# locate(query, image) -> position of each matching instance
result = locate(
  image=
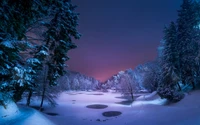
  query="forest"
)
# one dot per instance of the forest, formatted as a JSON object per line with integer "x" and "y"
{"x": 36, "y": 35}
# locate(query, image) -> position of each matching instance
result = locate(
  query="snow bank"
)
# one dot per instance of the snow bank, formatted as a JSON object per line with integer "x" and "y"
{"x": 10, "y": 110}
{"x": 150, "y": 96}
{"x": 22, "y": 116}
{"x": 36, "y": 118}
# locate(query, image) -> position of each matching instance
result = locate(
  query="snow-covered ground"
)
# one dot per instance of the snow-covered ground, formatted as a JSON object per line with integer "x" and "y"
{"x": 145, "y": 110}
{"x": 18, "y": 115}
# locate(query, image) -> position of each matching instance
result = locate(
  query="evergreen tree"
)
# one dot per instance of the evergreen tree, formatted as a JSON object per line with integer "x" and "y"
{"x": 16, "y": 17}
{"x": 169, "y": 59}
{"x": 58, "y": 20}
{"x": 187, "y": 40}
{"x": 169, "y": 65}
{"x": 180, "y": 51}
{"x": 57, "y": 42}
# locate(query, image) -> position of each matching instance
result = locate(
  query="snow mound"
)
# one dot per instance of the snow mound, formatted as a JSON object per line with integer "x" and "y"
{"x": 150, "y": 96}
{"x": 22, "y": 116}
{"x": 152, "y": 99}
{"x": 36, "y": 119}
{"x": 190, "y": 100}
{"x": 10, "y": 110}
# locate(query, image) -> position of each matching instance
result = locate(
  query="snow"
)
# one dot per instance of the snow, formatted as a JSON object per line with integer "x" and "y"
{"x": 33, "y": 61}
{"x": 152, "y": 110}
{"x": 13, "y": 115}
{"x": 150, "y": 96}
{"x": 10, "y": 111}
{"x": 148, "y": 109}
{"x": 7, "y": 44}
{"x": 35, "y": 118}
{"x": 43, "y": 52}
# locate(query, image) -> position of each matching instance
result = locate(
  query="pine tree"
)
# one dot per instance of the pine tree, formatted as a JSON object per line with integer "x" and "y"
{"x": 187, "y": 40}
{"x": 169, "y": 65}
{"x": 180, "y": 51}
{"x": 58, "y": 22}
{"x": 16, "y": 17}
{"x": 58, "y": 41}
{"x": 169, "y": 61}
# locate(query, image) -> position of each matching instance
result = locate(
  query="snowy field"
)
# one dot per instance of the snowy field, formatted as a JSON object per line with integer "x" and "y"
{"x": 146, "y": 110}
{"x": 74, "y": 109}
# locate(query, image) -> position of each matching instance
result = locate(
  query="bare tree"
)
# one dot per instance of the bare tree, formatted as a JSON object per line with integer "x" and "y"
{"x": 128, "y": 87}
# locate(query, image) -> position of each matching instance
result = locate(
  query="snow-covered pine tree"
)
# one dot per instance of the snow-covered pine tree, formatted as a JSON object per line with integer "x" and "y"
{"x": 169, "y": 63}
{"x": 180, "y": 51}
{"x": 16, "y": 16}
{"x": 58, "y": 41}
{"x": 19, "y": 17}
{"x": 187, "y": 40}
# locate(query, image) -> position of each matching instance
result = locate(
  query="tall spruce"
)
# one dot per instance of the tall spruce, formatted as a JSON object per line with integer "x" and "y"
{"x": 169, "y": 65}
{"x": 169, "y": 61}
{"x": 187, "y": 40}
{"x": 58, "y": 41}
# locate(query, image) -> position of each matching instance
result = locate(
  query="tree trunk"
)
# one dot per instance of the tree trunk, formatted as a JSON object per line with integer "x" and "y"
{"x": 18, "y": 93}
{"x": 132, "y": 96}
{"x": 29, "y": 98}
{"x": 43, "y": 95}
{"x": 44, "y": 86}
{"x": 193, "y": 85}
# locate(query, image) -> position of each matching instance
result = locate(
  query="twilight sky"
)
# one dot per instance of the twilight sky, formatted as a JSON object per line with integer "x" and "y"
{"x": 119, "y": 34}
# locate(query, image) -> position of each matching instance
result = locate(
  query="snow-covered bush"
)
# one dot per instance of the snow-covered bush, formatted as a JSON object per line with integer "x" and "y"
{"x": 170, "y": 94}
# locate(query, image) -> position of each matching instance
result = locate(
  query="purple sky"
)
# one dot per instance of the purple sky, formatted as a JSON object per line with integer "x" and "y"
{"x": 119, "y": 34}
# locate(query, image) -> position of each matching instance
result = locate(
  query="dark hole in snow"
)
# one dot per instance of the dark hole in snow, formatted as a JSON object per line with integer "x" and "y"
{"x": 127, "y": 102}
{"x": 97, "y": 106}
{"x": 52, "y": 114}
{"x": 111, "y": 113}
{"x": 73, "y": 100}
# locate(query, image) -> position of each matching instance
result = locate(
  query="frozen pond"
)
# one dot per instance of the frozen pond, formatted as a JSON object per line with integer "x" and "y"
{"x": 146, "y": 110}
